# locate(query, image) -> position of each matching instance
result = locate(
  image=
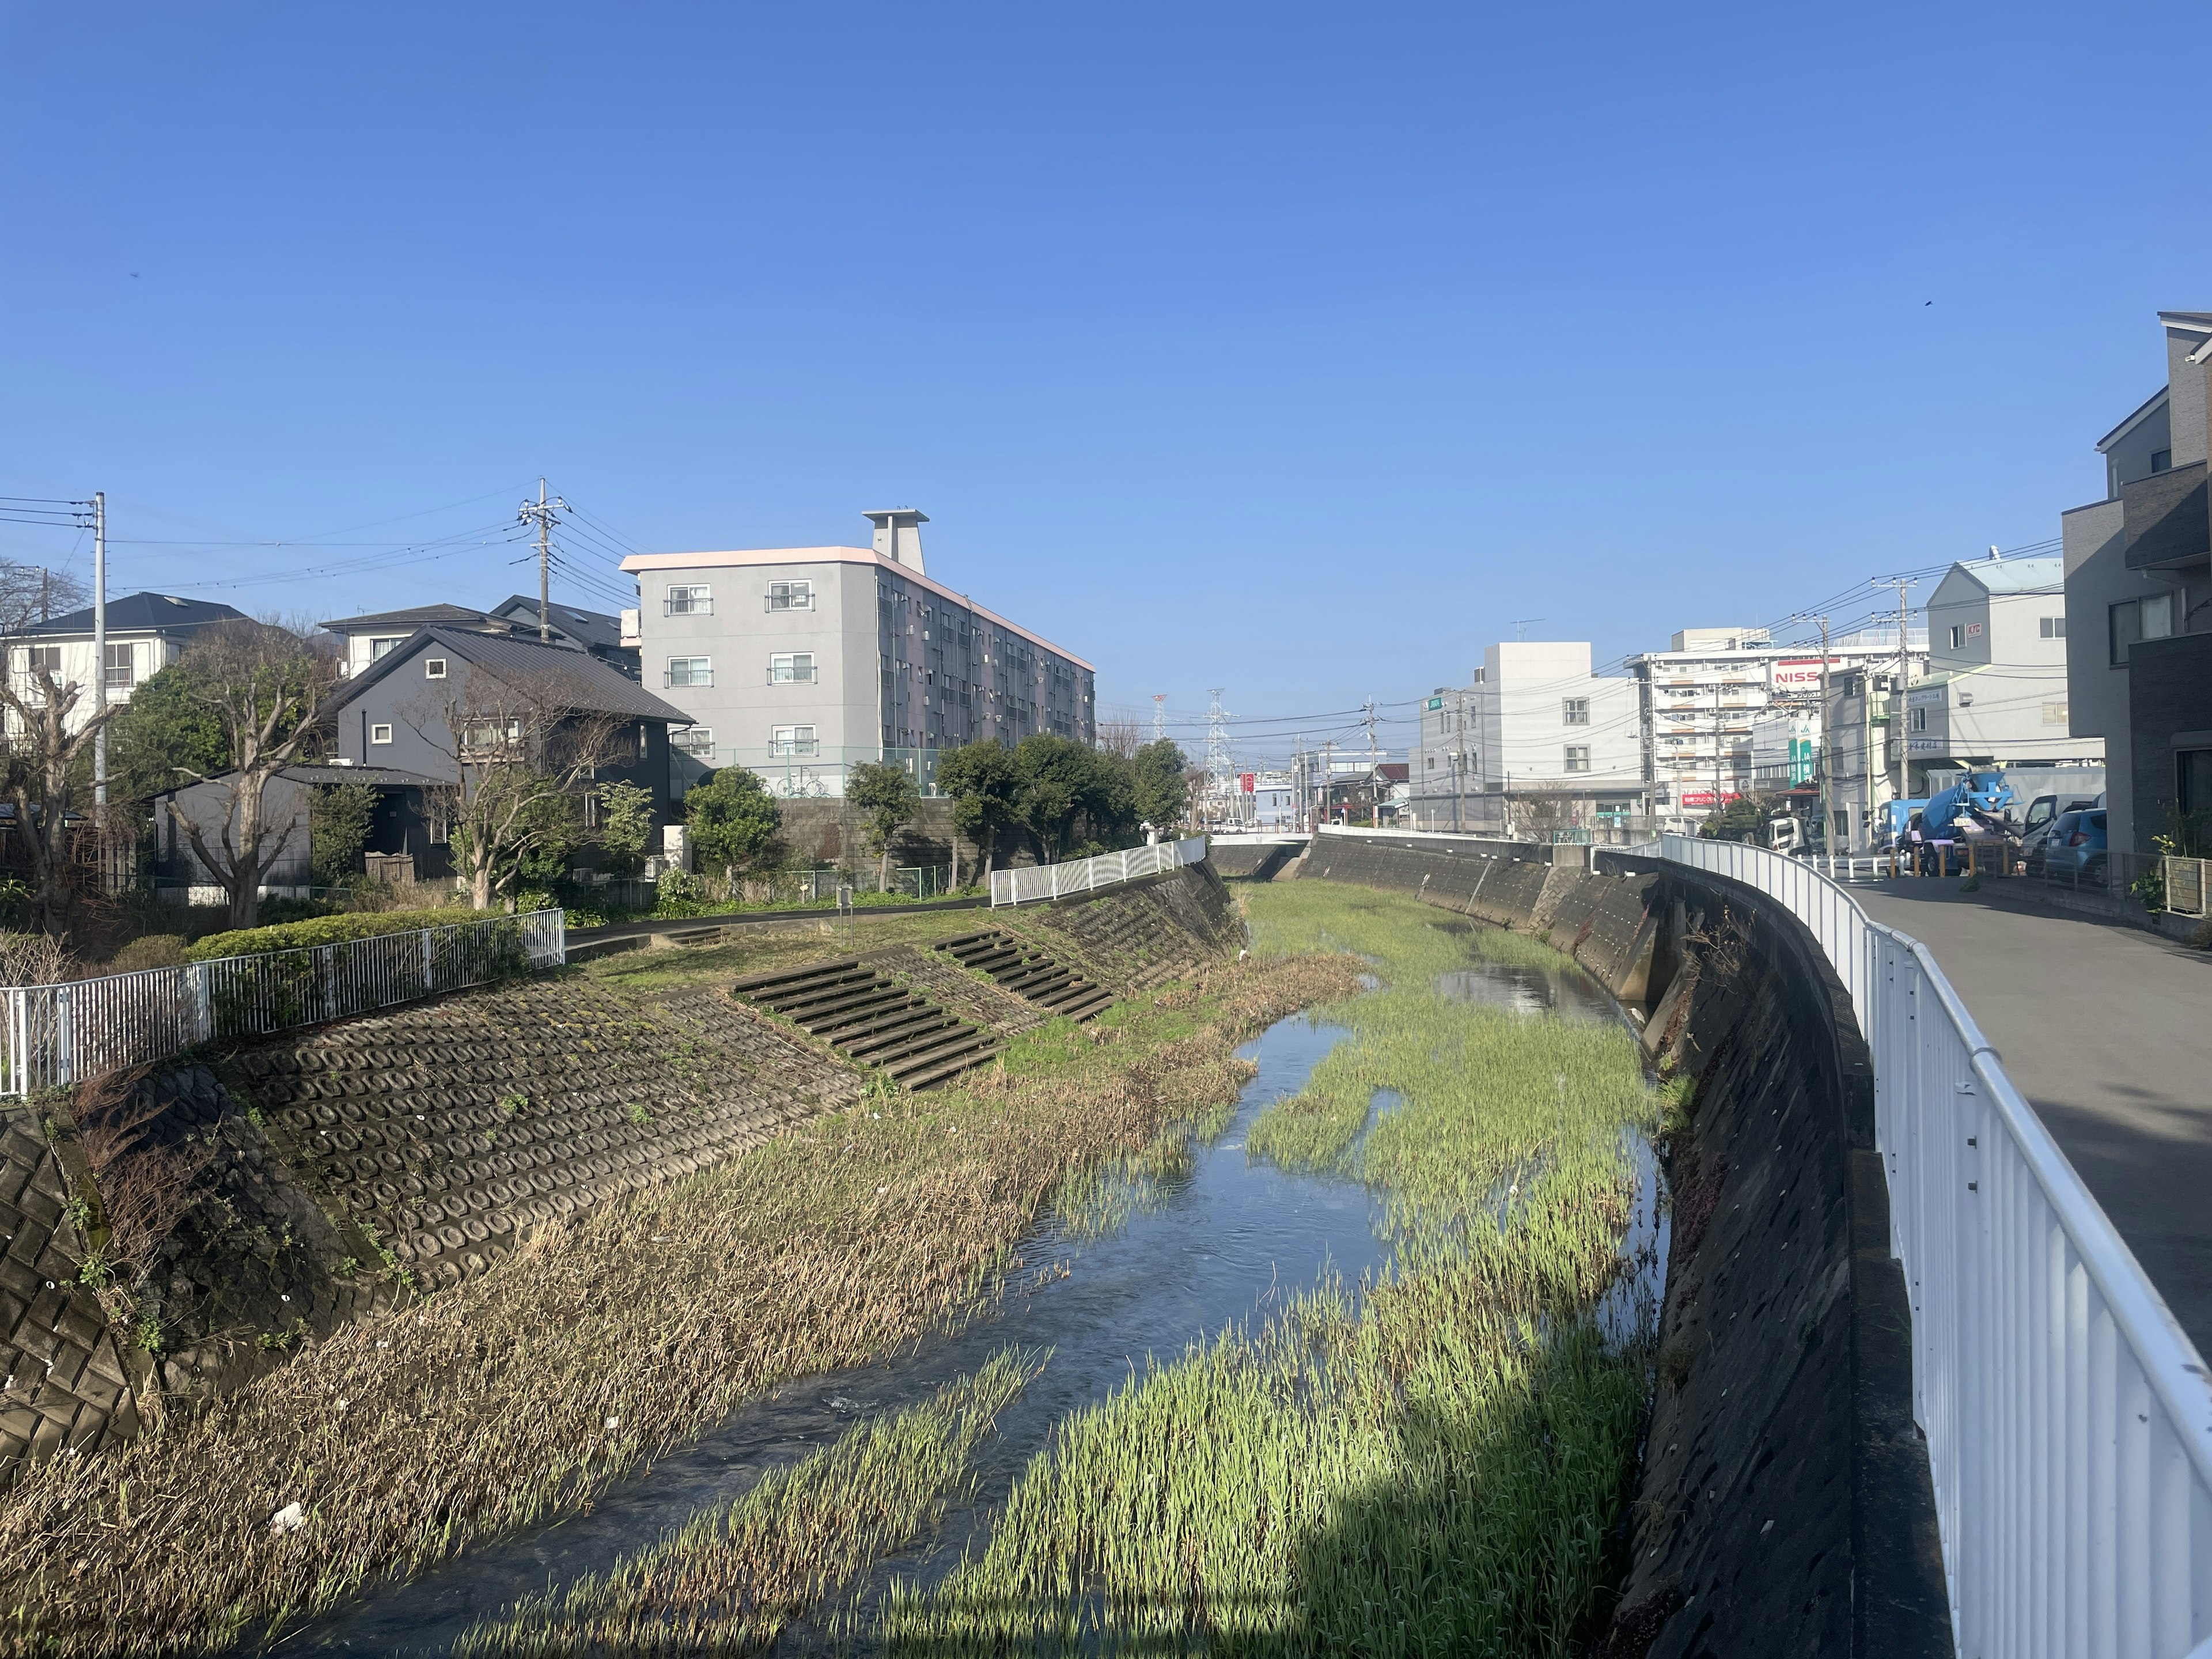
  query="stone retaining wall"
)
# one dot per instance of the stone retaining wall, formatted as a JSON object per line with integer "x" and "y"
{"x": 1784, "y": 1505}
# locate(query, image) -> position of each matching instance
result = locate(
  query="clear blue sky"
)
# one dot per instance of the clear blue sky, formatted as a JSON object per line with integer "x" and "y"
{"x": 1291, "y": 350}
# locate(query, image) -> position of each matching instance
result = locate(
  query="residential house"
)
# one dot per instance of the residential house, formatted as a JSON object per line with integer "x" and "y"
{"x": 2138, "y": 581}
{"x": 368, "y": 639}
{"x": 801, "y": 662}
{"x": 146, "y": 632}
{"x": 395, "y": 715}
{"x": 400, "y": 826}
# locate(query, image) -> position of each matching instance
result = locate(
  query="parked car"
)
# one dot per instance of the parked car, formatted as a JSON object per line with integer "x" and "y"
{"x": 2075, "y": 848}
{"x": 2043, "y": 812}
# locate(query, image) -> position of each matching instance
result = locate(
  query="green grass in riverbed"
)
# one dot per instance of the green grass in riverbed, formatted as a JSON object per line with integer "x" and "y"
{"x": 1431, "y": 1468}
{"x": 734, "y": 1576}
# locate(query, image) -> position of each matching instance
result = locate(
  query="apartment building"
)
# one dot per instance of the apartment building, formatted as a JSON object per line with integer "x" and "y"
{"x": 2138, "y": 592}
{"x": 801, "y": 662}
{"x": 1556, "y": 742}
{"x": 1444, "y": 768}
{"x": 1699, "y": 703}
{"x": 1994, "y": 691}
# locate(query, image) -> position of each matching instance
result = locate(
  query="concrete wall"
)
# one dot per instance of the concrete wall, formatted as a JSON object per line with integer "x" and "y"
{"x": 1785, "y": 1504}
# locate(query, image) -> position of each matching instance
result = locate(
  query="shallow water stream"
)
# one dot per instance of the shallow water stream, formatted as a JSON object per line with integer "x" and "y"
{"x": 1215, "y": 1243}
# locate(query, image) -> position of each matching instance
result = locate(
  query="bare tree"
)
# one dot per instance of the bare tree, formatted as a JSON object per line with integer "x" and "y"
{"x": 40, "y": 775}
{"x": 523, "y": 759}
{"x": 270, "y": 693}
{"x": 1540, "y": 810}
{"x": 30, "y": 594}
{"x": 1120, "y": 736}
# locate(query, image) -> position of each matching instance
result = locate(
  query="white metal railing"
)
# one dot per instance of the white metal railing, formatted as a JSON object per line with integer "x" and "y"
{"x": 1052, "y": 881}
{"x": 1852, "y": 866}
{"x": 2068, "y": 1417}
{"x": 52, "y": 1035}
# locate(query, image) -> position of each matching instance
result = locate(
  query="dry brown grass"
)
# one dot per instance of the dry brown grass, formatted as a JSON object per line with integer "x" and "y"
{"x": 145, "y": 1188}
{"x": 516, "y": 1398}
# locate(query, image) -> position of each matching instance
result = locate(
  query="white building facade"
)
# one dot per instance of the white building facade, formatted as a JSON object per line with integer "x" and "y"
{"x": 802, "y": 662}
{"x": 1994, "y": 692}
{"x": 144, "y": 633}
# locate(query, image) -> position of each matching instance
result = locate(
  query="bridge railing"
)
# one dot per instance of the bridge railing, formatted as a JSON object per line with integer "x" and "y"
{"x": 52, "y": 1035}
{"x": 1052, "y": 881}
{"x": 2068, "y": 1417}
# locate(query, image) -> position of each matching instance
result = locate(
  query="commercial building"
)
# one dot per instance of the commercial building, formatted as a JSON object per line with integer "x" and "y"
{"x": 1537, "y": 746}
{"x": 1699, "y": 702}
{"x": 2138, "y": 588}
{"x": 1994, "y": 691}
{"x": 801, "y": 662}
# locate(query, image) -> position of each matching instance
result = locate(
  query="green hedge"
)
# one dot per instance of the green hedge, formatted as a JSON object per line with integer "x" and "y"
{"x": 326, "y": 930}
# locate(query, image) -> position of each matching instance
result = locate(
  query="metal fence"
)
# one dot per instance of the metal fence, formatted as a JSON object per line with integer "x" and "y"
{"x": 1051, "y": 881}
{"x": 2068, "y": 1417}
{"x": 59, "y": 1035}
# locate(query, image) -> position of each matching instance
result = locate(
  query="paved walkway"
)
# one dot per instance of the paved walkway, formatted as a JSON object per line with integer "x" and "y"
{"x": 2108, "y": 1031}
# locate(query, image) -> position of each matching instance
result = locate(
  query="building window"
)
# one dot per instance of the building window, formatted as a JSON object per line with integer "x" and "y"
{"x": 690, "y": 670}
{"x": 433, "y": 668}
{"x": 1919, "y": 720}
{"x": 697, "y": 601}
{"x": 785, "y": 742}
{"x": 1578, "y": 758}
{"x": 791, "y": 668}
{"x": 591, "y": 809}
{"x": 2053, "y": 628}
{"x": 438, "y": 822}
{"x": 485, "y": 737}
{"x": 790, "y": 595}
{"x": 382, "y": 647}
{"x": 2150, "y": 618}
{"x": 2161, "y": 460}
{"x": 1957, "y": 638}
{"x": 121, "y": 660}
{"x": 696, "y": 741}
{"x": 48, "y": 657}
{"x": 1574, "y": 711}
{"x": 2055, "y": 713}
{"x": 380, "y": 734}
{"x": 2192, "y": 779}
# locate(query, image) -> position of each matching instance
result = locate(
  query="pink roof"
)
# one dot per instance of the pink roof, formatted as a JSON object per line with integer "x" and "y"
{"x": 739, "y": 557}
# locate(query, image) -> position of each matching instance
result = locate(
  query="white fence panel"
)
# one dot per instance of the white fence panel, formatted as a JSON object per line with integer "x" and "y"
{"x": 58, "y": 1035}
{"x": 1052, "y": 881}
{"x": 2069, "y": 1417}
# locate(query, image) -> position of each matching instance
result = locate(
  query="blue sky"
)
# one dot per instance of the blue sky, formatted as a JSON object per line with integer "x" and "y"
{"x": 1296, "y": 350}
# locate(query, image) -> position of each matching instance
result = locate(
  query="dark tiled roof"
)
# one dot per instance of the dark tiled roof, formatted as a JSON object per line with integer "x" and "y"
{"x": 420, "y": 616}
{"x": 597, "y": 630}
{"x": 389, "y": 777}
{"x": 142, "y": 613}
{"x": 583, "y": 683}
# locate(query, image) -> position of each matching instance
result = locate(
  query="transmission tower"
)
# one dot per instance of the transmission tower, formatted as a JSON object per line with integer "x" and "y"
{"x": 1217, "y": 744}
{"x": 1159, "y": 716}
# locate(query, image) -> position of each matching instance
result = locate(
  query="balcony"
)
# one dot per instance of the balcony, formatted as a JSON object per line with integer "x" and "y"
{"x": 2168, "y": 518}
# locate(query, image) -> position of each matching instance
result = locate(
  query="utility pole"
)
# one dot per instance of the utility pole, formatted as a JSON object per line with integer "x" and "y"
{"x": 1900, "y": 715}
{"x": 1374, "y": 779}
{"x": 1821, "y": 755}
{"x": 99, "y": 661}
{"x": 542, "y": 513}
{"x": 1328, "y": 777}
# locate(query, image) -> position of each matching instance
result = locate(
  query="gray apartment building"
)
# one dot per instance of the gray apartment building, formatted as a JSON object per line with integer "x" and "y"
{"x": 2138, "y": 577}
{"x": 800, "y": 662}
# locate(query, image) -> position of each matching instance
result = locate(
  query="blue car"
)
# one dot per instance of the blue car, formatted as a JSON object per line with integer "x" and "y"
{"x": 2075, "y": 848}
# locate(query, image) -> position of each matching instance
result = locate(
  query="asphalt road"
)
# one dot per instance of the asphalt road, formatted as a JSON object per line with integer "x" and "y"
{"x": 2108, "y": 1031}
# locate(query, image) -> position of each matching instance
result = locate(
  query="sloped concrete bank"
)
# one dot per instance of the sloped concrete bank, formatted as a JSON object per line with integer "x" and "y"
{"x": 167, "y": 1236}
{"x": 1784, "y": 1505}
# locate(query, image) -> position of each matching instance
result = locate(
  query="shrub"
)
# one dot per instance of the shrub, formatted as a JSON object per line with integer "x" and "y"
{"x": 153, "y": 951}
{"x": 325, "y": 930}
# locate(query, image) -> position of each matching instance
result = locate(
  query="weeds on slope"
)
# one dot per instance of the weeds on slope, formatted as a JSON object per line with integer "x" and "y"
{"x": 512, "y": 1400}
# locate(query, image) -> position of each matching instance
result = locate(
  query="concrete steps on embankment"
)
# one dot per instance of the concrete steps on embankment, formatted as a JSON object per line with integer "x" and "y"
{"x": 871, "y": 1018}
{"x": 1029, "y": 972}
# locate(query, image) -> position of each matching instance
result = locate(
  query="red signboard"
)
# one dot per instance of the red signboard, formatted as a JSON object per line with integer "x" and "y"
{"x": 1245, "y": 780}
{"x": 1801, "y": 674}
{"x": 1707, "y": 797}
